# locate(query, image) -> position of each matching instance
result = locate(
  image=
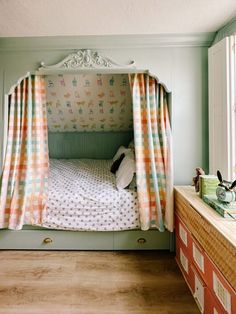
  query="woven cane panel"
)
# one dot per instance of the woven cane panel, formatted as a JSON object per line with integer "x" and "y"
{"x": 218, "y": 248}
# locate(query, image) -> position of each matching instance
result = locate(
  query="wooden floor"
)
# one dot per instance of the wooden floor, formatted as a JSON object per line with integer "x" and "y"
{"x": 92, "y": 282}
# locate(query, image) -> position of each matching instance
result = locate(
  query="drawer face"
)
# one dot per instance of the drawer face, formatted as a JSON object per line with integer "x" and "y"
{"x": 211, "y": 304}
{"x": 141, "y": 240}
{"x": 221, "y": 290}
{"x": 199, "y": 293}
{"x": 182, "y": 256}
{"x": 221, "y": 293}
{"x": 182, "y": 232}
{"x": 184, "y": 263}
{"x": 56, "y": 240}
{"x": 198, "y": 257}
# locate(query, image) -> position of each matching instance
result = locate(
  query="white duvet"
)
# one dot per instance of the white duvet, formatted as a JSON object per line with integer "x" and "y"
{"x": 83, "y": 196}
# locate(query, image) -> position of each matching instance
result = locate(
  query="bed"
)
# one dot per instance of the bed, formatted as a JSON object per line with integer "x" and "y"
{"x": 82, "y": 196}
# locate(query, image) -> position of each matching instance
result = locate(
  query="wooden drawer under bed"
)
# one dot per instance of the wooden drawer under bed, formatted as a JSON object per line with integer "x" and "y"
{"x": 45, "y": 239}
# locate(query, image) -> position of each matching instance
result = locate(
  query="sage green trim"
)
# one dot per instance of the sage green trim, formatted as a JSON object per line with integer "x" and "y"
{"x": 105, "y": 42}
{"x": 227, "y": 30}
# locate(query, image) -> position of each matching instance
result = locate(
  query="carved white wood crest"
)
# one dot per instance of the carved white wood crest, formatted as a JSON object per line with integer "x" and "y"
{"x": 85, "y": 59}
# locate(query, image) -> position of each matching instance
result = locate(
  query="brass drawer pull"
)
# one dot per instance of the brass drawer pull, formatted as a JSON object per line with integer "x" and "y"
{"x": 47, "y": 240}
{"x": 141, "y": 240}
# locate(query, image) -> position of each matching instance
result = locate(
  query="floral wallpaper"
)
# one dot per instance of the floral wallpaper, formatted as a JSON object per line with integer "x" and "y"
{"x": 88, "y": 102}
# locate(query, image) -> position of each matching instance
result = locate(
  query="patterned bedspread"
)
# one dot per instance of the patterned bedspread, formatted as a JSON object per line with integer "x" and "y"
{"x": 83, "y": 196}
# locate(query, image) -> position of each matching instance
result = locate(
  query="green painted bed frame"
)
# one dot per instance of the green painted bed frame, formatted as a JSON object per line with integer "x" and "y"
{"x": 102, "y": 145}
{"x": 34, "y": 238}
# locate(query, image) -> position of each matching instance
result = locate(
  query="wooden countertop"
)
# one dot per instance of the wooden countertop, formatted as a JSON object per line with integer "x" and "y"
{"x": 226, "y": 226}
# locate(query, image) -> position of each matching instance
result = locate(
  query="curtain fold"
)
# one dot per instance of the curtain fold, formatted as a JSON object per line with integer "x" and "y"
{"x": 153, "y": 150}
{"x": 23, "y": 191}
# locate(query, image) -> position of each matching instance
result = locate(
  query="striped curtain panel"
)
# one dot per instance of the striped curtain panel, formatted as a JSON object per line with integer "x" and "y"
{"x": 23, "y": 190}
{"x": 153, "y": 152}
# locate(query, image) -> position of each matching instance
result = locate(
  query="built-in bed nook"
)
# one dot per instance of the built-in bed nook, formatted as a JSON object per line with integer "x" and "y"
{"x": 87, "y": 158}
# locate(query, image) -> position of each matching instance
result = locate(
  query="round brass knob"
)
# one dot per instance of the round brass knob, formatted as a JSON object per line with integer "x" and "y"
{"x": 47, "y": 240}
{"x": 141, "y": 240}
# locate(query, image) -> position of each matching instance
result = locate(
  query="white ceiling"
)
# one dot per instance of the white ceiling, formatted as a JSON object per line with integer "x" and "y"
{"x": 20, "y": 18}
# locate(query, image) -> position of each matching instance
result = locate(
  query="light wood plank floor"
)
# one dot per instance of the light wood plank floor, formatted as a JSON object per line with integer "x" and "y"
{"x": 34, "y": 282}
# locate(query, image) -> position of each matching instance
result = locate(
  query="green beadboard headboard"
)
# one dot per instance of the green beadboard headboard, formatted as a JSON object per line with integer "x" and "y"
{"x": 94, "y": 145}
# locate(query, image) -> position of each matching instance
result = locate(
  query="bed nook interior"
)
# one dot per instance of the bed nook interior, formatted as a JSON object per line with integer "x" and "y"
{"x": 67, "y": 126}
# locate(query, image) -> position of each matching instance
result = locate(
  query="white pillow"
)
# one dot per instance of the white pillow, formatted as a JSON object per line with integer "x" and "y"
{"x": 126, "y": 171}
{"x": 121, "y": 150}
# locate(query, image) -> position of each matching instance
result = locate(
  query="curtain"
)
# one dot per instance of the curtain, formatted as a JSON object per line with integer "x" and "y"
{"x": 153, "y": 152}
{"x": 23, "y": 190}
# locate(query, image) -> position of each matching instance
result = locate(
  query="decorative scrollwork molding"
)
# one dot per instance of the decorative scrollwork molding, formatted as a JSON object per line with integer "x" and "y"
{"x": 85, "y": 59}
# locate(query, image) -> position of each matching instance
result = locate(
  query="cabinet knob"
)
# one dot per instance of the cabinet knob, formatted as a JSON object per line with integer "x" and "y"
{"x": 141, "y": 240}
{"x": 47, "y": 240}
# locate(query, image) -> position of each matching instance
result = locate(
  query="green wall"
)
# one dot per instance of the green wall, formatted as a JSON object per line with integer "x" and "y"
{"x": 179, "y": 61}
{"x": 95, "y": 145}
